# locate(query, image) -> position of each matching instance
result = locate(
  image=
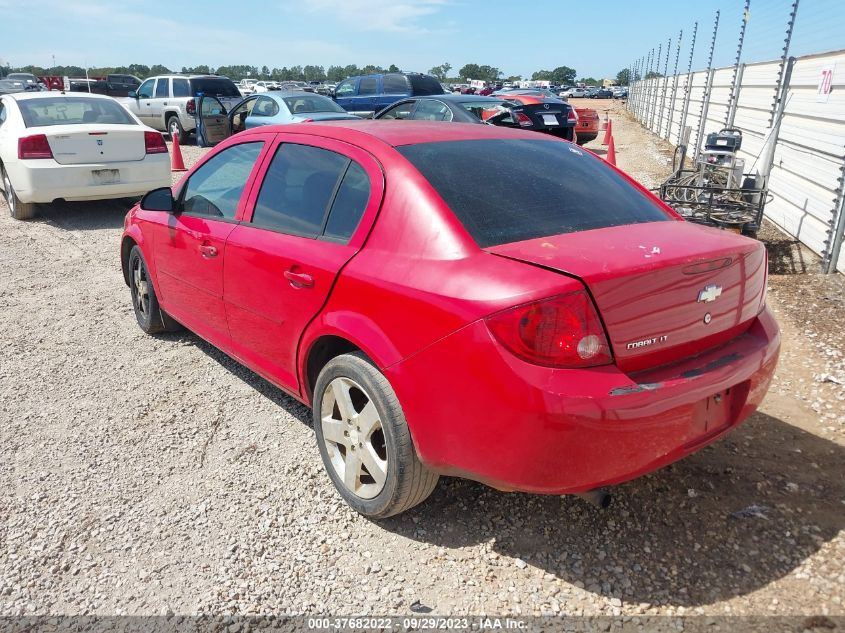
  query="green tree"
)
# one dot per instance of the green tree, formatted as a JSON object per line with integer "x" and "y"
{"x": 562, "y": 75}
{"x": 393, "y": 68}
{"x": 483, "y": 72}
{"x": 335, "y": 73}
{"x": 441, "y": 71}
{"x": 314, "y": 73}
{"x": 589, "y": 81}
{"x": 651, "y": 74}
{"x": 157, "y": 69}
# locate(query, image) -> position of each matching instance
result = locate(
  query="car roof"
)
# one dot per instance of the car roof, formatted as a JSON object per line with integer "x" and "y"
{"x": 369, "y": 133}
{"x": 451, "y": 96}
{"x": 57, "y": 93}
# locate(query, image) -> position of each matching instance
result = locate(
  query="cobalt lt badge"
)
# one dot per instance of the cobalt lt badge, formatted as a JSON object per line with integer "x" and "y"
{"x": 710, "y": 293}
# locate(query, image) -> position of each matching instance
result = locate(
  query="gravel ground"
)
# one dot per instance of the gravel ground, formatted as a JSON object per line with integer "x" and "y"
{"x": 143, "y": 475}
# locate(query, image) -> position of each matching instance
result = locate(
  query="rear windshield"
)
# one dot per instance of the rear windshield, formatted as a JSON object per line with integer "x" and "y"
{"x": 72, "y": 111}
{"x": 423, "y": 85}
{"x": 215, "y": 87}
{"x": 311, "y": 103}
{"x": 508, "y": 190}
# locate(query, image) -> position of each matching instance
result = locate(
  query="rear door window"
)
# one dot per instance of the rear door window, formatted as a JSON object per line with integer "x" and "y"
{"x": 432, "y": 110}
{"x": 349, "y": 204}
{"x": 299, "y": 184}
{"x": 401, "y": 111}
{"x": 508, "y": 190}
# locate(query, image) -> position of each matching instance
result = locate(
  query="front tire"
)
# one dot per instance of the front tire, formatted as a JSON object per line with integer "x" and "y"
{"x": 17, "y": 209}
{"x": 364, "y": 439}
{"x": 151, "y": 318}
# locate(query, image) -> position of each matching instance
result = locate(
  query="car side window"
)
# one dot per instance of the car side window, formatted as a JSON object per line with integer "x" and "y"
{"x": 349, "y": 204}
{"x": 345, "y": 88}
{"x": 2, "y": 113}
{"x": 162, "y": 88}
{"x": 265, "y": 106}
{"x": 367, "y": 86}
{"x": 215, "y": 188}
{"x": 401, "y": 111}
{"x": 432, "y": 110}
{"x": 145, "y": 91}
{"x": 297, "y": 189}
{"x": 181, "y": 88}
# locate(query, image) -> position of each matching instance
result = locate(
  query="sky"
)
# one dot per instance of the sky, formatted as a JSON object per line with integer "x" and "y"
{"x": 596, "y": 38}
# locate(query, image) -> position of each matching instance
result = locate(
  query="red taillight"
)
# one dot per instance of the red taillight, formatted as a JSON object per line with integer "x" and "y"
{"x": 154, "y": 143}
{"x": 35, "y": 146}
{"x": 191, "y": 107}
{"x": 523, "y": 119}
{"x": 572, "y": 116}
{"x": 564, "y": 331}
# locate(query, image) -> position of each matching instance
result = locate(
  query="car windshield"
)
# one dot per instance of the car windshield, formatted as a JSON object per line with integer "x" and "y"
{"x": 548, "y": 188}
{"x": 215, "y": 87}
{"x": 72, "y": 111}
{"x": 311, "y": 103}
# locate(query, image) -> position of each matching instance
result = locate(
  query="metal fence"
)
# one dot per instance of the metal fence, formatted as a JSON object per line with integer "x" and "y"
{"x": 791, "y": 111}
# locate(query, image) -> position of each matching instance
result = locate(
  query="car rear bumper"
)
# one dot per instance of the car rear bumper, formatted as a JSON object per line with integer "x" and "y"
{"x": 45, "y": 180}
{"x": 476, "y": 411}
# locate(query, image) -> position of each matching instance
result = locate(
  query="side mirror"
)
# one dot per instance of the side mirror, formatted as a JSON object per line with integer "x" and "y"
{"x": 133, "y": 94}
{"x": 159, "y": 200}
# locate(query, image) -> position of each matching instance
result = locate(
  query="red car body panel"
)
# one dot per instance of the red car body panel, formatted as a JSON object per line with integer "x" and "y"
{"x": 412, "y": 290}
{"x": 587, "y": 127}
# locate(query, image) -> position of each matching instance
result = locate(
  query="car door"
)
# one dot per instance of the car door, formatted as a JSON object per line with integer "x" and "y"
{"x": 190, "y": 245}
{"x": 214, "y": 120}
{"x": 159, "y": 102}
{"x": 142, "y": 104}
{"x": 310, "y": 215}
{"x": 240, "y": 113}
{"x": 365, "y": 102}
{"x": 265, "y": 112}
{"x": 393, "y": 88}
{"x": 344, "y": 94}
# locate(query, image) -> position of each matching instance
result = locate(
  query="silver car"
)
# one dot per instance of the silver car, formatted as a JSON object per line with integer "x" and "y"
{"x": 168, "y": 102}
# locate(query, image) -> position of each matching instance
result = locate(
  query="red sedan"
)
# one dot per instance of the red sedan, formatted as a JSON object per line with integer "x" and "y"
{"x": 459, "y": 299}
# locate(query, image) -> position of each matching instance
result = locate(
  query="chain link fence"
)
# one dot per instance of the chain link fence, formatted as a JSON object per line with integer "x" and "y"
{"x": 790, "y": 110}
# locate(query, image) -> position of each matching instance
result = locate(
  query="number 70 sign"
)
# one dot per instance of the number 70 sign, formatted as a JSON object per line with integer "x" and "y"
{"x": 825, "y": 83}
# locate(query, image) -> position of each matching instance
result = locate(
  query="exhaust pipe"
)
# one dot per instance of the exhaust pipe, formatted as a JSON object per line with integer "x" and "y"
{"x": 599, "y": 497}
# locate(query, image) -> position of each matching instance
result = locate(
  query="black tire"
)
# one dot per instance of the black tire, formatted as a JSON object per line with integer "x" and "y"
{"x": 17, "y": 209}
{"x": 408, "y": 482}
{"x": 174, "y": 126}
{"x": 151, "y": 318}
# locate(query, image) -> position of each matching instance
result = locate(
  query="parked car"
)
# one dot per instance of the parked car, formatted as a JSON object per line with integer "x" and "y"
{"x": 603, "y": 93}
{"x": 620, "y": 92}
{"x": 168, "y": 102}
{"x": 116, "y": 85}
{"x": 74, "y": 147}
{"x": 578, "y": 93}
{"x": 590, "y": 93}
{"x": 454, "y": 108}
{"x": 17, "y": 82}
{"x": 246, "y": 86}
{"x": 368, "y": 94}
{"x": 264, "y": 86}
{"x": 296, "y": 85}
{"x": 283, "y": 107}
{"x": 551, "y": 304}
{"x": 326, "y": 89}
{"x": 549, "y": 115}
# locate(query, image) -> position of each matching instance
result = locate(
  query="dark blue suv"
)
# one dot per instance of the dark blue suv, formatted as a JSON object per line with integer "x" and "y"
{"x": 367, "y": 94}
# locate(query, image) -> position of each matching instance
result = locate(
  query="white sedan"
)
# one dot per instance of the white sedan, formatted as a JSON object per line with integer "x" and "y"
{"x": 57, "y": 146}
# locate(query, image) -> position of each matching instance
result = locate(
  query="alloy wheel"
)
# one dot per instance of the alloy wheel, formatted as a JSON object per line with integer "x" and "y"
{"x": 354, "y": 437}
{"x": 10, "y": 194}
{"x": 141, "y": 287}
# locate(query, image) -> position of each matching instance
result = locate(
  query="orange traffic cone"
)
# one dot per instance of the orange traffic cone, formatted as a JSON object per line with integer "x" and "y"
{"x": 176, "y": 162}
{"x": 610, "y": 157}
{"x": 608, "y": 134}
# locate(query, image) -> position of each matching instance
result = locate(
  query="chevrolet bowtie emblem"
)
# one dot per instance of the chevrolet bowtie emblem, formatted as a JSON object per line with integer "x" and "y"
{"x": 710, "y": 293}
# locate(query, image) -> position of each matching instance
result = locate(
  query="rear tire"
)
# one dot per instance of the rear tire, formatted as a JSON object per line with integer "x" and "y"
{"x": 174, "y": 126}
{"x": 17, "y": 209}
{"x": 360, "y": 427}
{"x": 151, "y": 318}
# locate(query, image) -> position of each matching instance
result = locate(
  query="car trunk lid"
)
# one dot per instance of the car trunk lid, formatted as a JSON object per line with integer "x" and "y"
{"x": 664, "y": 290}
{"x": 96, "y": 144}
